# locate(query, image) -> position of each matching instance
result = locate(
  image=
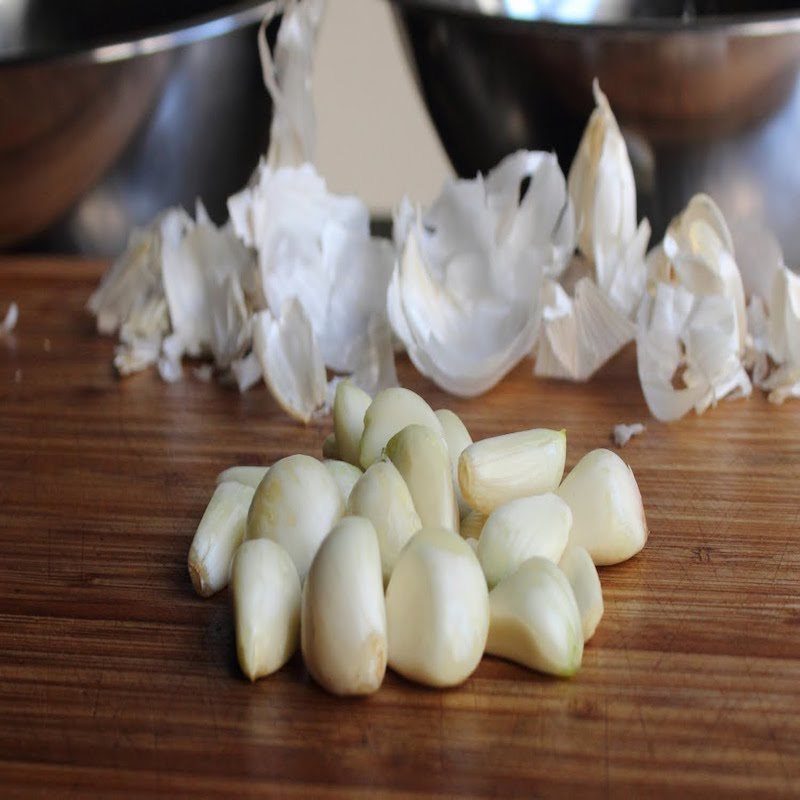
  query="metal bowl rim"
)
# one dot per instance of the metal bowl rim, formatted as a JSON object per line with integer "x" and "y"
{"x": 756, "y": 24}
{"x": 178, "y": 34}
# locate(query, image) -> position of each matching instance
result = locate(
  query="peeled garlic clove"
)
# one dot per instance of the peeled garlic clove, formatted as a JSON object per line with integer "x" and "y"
{"x": 265, "y": 590}
{"x": 219, "y": 533}
{"x": 457, "y": 438}
{"x": 607, "y": 512}
{"x": 349, "y": 406}
{"x": 344, "y": 615}
{"x": 330, "y": 447}
{"x": 521, "y": 529}
{"x": 382, "y": 496}
{"x": 535, "y": 619}
{"x": 494, "y": 471}
{"x": 249, "y": 476}
{"x": 577, "y": 565}
{"x": 421, "y": 457}
{"x": 345, "y": 475}
{"x": 295, "y": 505}
{"x": 391, "y": 411}
{"x": 473, "y": 543}
{"x": 437, "y": 610}
{"x": 472, "y": 525}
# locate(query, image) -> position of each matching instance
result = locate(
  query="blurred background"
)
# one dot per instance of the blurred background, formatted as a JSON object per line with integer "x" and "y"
{"x": 110, "y": 112}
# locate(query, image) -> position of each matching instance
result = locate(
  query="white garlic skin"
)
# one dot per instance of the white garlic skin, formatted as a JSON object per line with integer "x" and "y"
{"x": 437, "y": 610}
{"x": 265, "y": 593}
{"x": 607, "y": 512}
{"x": 343, "y": 628}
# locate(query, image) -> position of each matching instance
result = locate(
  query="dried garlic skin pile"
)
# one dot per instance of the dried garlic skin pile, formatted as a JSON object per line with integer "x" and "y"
{"x": 692, "y": 321}
{"x": 464, "y": 295}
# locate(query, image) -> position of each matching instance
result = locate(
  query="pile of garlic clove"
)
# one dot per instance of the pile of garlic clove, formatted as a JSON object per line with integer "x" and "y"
{"x": 411, "y": 546}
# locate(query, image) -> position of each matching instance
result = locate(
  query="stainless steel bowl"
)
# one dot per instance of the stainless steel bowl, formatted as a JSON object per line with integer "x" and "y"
{"x": 109, "y": 112}
{"x": 707, "y": 93}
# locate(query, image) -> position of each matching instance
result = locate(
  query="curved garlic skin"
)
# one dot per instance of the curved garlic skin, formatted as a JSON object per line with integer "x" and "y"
{"x": 607, "y": 512}
{"x": 421, "y": 457}
{"x": 249, "y": 476}
{"x": 577, "y": 565}
{"x": 350, "y": 404}
{"x": 472, "y": 525}
{"x": 265, "y": 591}
{"x": 391, "y": 411}
{"x": 330, "y": 447}
{"x": 521, "y": 529}
{"x": 535, "y": 619}
{"x": 296, "y": 505}
{"x": 381, "y": 495}
{"x": 344, "y": 474}
{"x": 457, "y": 438}
{"x": 493, "y": 471}
{"x": 343, "y": 628}
{"x": 437, "y": 610}
{"x": 219, "y": 533}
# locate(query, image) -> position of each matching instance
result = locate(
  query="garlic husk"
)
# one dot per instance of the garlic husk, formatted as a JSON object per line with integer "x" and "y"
{"x": 349, "y": 407}
{"x": 521, "y": 529}
{"x": 493, "y": 471}
{"x": 601, "y": 182}
{"x": 382, "y": 496}
{"x": 219, "y": 533}
{"x": 577, "y": 565}
{"x": 463, "y": 298}
{"x": 579, "y": 334}
{"x": 472, "y": 524}
{"x": 249, "y": 476}
{"x": 695, "y": 337}
{"x": 421, "y": 458}
{"x": 287, "y": 77}
{"x": 290, "y": 359}
{"x": 607, "y": 513}
{"x": 535, "y": 620}
{"x": 784, "y": 318}
{"x": 343, "y": 630}
{"x": 437, "y": 610}
{"x": 457, "y": 438}
{"x": 265, "y": 592}
{"x": 622, "y": 433}
{"x": 699, "y": 250}
{"x": 296, "y": 505}
{"x": 344, "y": 474}
{"x": 390, "y": 411}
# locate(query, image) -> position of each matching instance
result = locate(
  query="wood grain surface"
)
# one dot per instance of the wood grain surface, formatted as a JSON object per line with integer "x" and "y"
{"x": 117, "y": 681}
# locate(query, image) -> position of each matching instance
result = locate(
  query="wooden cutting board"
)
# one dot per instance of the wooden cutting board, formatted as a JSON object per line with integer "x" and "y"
{"x": 117, "y": 681}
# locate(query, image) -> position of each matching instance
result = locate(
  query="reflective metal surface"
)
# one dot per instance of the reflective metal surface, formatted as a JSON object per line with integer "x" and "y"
{"x": 707, "y": 94}
{"x": 99, "y": 133}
